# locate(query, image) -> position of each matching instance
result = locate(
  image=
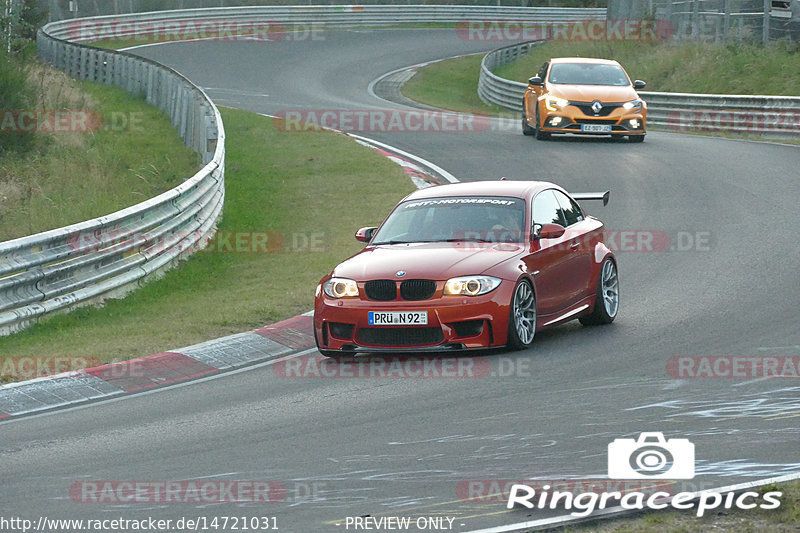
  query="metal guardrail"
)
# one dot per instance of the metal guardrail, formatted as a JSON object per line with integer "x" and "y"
{"x": 111, "y": 255}
{"x": 330, "y": 15}
{"x": 493, "y": 89}
{"x": 776, "y": 117}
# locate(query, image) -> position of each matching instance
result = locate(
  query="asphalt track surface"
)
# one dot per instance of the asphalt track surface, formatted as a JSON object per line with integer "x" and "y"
{"x": 404, "y": 447}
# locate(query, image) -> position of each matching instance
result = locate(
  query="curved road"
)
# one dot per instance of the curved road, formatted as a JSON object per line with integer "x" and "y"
{"x": 406, "y": 447}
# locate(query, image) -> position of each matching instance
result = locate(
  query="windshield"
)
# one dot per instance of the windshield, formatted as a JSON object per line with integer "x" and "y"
{"x": 588, "y": 74}
{"x": 453, "y": 219}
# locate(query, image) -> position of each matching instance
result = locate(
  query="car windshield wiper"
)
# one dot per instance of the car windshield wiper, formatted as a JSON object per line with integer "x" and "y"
{"x": 393, "y": 242}
{"x": 463, "y": 239}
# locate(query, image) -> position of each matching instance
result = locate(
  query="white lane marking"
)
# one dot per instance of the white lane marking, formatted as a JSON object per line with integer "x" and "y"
{"x": 241, "y": 37}
{"x": 389, "y": 148}
{"x": 234, "y": 91}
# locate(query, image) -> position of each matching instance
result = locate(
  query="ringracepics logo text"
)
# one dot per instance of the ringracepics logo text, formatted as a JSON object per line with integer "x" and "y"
{"x": 588, "y": 502}
{"x": 649, "y": 457}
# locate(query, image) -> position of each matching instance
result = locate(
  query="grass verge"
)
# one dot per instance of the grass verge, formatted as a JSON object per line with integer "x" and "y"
{"x": 112, "y": 150}
{"x": 685, "y": 67}
{"x": 307, "y": 190}
{"x": 451, "y": 84}
{"x": 698, "y": 68}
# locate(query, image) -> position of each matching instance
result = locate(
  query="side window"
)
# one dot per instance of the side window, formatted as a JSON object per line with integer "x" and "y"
{"x": 572, "y": 211}
{"x": 547, "y": 210}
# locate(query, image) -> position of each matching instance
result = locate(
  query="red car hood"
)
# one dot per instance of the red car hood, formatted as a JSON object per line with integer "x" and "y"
{"x": 437, "y": 261}
{"x": 590, "y": 93}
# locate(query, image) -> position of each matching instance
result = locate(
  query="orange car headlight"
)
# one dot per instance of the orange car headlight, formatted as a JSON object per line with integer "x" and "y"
{"x": 554, "y": 103}
{"x": 632, "y": 105}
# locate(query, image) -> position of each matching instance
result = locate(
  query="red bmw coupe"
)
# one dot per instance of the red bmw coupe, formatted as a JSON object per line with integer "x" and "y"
{"x": 469, "y": 265}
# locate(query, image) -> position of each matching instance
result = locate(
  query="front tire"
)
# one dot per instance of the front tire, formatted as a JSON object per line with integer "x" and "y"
{"x": 606, "y": 303}
{"x": 635, "y": 138}
{"x": 526, "y": 128}
{"x": 522, "y": 317}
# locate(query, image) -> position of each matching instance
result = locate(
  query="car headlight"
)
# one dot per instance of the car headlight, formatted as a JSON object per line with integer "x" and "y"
{"x": 341, "y": 288}
{"x": 633, "y": 104}
{"x": 471, "y": 285}
{"x": 554, "y": 103}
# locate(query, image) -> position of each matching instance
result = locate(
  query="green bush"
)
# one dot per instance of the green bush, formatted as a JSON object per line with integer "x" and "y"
{"x": 16, "y": 94}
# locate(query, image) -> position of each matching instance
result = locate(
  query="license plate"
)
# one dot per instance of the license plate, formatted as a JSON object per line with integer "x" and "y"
{"x": 596, "y": 128}
{"x": 398, "y": 318}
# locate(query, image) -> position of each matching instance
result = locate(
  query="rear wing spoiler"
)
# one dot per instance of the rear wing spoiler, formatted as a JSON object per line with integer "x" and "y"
{"x": 593, "y": 196}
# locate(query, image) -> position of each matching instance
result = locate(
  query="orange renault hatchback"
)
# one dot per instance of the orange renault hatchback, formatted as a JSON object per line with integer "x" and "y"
{"x": 583, "y": 96}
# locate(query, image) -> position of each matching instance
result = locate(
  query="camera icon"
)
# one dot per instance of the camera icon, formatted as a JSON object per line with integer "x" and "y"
{"x": 651, "y": 457}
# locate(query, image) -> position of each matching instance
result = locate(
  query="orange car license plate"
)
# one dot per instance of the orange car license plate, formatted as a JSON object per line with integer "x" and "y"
{"x": 596, "y": 128}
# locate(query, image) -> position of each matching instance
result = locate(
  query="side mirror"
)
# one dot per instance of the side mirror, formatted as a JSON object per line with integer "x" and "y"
{"x": 536, "y": 80}
{"x": 639, "y": 84}
{"x": 365, "y": 234}
{"x": 547, "y": 231}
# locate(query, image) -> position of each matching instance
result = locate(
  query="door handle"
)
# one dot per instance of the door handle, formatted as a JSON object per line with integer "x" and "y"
{"x": 574, "y": 245}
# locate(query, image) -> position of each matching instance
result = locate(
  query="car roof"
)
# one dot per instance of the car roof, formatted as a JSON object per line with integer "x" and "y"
{"x": 519, "y": 189}
{"x": 593, "y": 60}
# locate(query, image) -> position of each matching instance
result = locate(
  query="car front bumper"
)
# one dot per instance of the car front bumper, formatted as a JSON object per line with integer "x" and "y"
{"x": 454, "y": 323}
{"x": 570, "y": 119}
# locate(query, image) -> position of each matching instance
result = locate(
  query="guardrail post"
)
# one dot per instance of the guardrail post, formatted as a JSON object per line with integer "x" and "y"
{"x": 726, "y": 27}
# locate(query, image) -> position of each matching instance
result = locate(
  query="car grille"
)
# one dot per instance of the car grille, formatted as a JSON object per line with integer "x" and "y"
{"x": 587, "y": 110}
{"x": 592, "y": 121}
{"x": 382, "y": 290}
{"x": 385, "y": 290}
{"x": 417, "y": 289}
{"x": 413, "y": 336}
